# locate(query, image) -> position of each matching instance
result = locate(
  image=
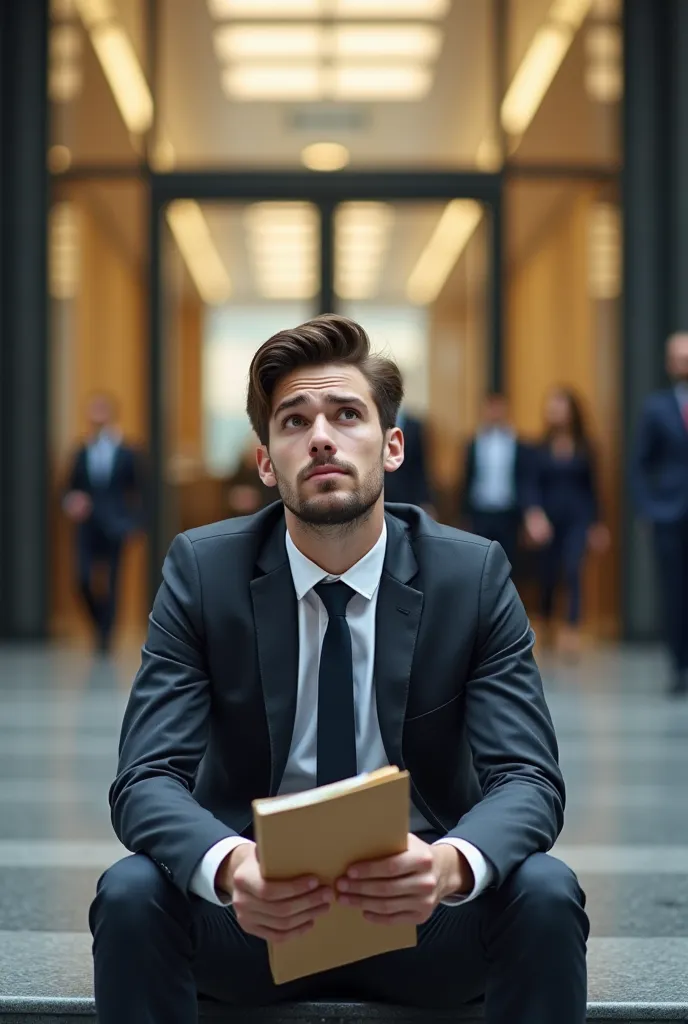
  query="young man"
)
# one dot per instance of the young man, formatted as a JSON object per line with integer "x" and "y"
{"x": 315, "y": 639}
{"x": 493, "y": 477}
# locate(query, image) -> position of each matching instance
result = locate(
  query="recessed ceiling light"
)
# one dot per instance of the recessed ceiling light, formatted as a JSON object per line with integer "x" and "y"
{"x": 249, "y": 42}
{"x": 420, "y": 42}
{"x": 273, "y": 82}
{"x": 383, "y": 82}
{"x": 325, "y": 156}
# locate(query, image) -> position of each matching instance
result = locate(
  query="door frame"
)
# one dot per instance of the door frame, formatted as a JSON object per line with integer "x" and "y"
{"x": 326, "y": 192}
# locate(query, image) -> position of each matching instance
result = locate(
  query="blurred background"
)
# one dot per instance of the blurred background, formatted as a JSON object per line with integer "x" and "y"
{"x": 182, "y": 178}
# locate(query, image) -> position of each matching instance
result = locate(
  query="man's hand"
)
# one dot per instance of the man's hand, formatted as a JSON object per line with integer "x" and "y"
{"x": 275, "y": 911}
{"x": 406, "y": 888}
{"x": 78, "y": 506}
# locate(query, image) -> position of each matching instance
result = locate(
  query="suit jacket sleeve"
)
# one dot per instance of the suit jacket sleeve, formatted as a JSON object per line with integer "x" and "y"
{"x": 165, "y": 731}
{"x": 510, "y": 733}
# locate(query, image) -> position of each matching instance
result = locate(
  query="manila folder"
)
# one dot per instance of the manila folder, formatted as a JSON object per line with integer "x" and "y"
{"x": 322, "y": 832}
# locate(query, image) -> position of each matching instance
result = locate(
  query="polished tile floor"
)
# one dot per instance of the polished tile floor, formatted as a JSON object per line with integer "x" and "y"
{"x": 624, "y": 752}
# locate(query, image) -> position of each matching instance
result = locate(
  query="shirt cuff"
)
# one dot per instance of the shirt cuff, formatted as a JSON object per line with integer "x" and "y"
{"x": 203, "y": 879}
{"x": 483, "y": 873}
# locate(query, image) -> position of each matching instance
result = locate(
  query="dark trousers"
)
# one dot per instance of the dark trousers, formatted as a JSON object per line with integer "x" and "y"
{"x": 522, "y": 946}
{"x": 671, "y": 546}
{"x": 499, "y": 526}
{"x": 562, "y": 561}
{"x": 98, "y": 552}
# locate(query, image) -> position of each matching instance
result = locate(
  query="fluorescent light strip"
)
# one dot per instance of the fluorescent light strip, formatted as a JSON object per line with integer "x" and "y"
{"x": 389, "y": 82}
{"x": 125, "y": 77}
{"x": 450, "y": 237}
{"x": 192, "y": 235}
{"x": 120, "y": 64}
{"x": 541, "y": 63}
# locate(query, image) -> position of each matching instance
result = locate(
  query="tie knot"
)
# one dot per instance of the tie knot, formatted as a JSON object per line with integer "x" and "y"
{"x": 335, "y": 596}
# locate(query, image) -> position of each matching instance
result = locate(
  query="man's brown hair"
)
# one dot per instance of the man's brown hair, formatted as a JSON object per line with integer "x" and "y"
{"x": 326, "y": 339}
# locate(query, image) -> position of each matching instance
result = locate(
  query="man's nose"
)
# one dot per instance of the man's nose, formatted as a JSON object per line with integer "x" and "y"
{"x": 321, "y": 441}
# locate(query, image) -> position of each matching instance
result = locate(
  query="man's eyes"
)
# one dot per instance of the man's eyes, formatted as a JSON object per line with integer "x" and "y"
{"x": 296, "y": 420}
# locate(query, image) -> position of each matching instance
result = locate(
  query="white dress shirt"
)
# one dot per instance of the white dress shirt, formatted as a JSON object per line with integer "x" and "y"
{"x": 300, "y": 772}
{"x": 100, "y": 457}
{"x": 495, "y": 456}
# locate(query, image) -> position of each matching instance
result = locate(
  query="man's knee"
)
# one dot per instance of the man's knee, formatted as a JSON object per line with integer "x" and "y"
{"x": 546, "y": 883}
{"x": 131, "y": 892}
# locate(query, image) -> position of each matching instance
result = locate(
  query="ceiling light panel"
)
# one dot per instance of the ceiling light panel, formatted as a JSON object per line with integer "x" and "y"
{"x": 273, "y": 81}
{"x": 265, "y": 8}
{"x": 534, "y": 77}
{"x": 397, "y": 9}
{"x": 416, "y": 42}
{"x": 282, "y": 242}
{"x": 383, "y": 82}
{"x": 124, "y": 75}
{"x": 252, "y": 42}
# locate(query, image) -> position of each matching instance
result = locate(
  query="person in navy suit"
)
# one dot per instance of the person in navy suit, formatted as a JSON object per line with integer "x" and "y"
{"x": 493, "y": 478}
{"x": 660, "y": 483}
{"x": 562, "y": 510}
{"x": 105, "y": 500}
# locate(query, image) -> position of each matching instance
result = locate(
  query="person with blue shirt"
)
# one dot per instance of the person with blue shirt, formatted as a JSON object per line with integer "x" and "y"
{"x": 659, "y": 477}
{"x": 562, "y": 510}
{"x": 105, "y": 500}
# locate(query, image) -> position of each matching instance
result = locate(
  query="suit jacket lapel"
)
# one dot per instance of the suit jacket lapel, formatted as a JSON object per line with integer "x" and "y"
{"x": 277, "y": 636}
{"x": 398, "y": 614}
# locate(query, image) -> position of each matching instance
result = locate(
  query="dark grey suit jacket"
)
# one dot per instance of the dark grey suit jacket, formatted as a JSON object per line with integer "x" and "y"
{"x": 209, "y": 722}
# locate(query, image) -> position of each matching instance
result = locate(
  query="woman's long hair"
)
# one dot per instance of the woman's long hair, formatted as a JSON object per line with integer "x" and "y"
{"x": 579, "y": 428}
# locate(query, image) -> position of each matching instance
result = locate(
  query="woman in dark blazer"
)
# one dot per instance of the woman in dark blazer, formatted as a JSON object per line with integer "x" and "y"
{"x": 562, "y": 509}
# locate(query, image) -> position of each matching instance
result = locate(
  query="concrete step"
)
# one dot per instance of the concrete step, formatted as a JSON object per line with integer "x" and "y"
{"x": 46, "y": 978}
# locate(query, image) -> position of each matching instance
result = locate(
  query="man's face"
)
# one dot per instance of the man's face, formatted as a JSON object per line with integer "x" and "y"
{"x": 677, "y": 357}
{"x": 100, "y": 412}
{"x": 327, "y": 453}
{"x": 495, "y": 411}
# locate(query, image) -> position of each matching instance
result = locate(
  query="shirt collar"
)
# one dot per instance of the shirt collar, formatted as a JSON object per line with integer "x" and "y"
{"x": 363, "y": 577}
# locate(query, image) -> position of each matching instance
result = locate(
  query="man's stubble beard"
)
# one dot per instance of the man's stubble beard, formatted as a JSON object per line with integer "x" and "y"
{"x": 346, "y": 513}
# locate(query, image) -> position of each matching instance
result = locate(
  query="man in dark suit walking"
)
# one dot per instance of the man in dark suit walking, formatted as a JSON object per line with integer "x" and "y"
{"x": 660, "y": 482}
{"x": 324, "y": 636}
{"x": 105, "y": 500}
{"x": 493, "y": 478}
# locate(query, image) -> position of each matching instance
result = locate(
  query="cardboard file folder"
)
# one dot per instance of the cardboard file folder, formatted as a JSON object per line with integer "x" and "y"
{"x": 322, "y": 832}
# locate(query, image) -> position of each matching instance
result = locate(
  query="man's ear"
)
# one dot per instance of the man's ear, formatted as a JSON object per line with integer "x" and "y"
{"x": 394, "y": 450}
{"x": 265, "y": 470}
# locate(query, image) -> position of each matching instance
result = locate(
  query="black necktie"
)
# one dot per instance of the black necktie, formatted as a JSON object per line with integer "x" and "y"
{"x": 336, "y": 721}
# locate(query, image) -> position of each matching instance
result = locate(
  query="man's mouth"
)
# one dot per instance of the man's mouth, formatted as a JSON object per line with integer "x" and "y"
{"x": 327, "y": 470}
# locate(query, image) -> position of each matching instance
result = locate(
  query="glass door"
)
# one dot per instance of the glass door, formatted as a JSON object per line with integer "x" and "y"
{"x": 237, "y": 257}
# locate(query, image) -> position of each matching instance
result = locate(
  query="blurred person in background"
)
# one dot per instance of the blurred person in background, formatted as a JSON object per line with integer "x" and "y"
{"x": 493, "y": 478}
{"x": 245, "y": 491}
{"x": 660, "y": 484}
{"x": 410, "y": 484}
{"x": 105, "y": 500}
{"x": 562, "y": 510}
